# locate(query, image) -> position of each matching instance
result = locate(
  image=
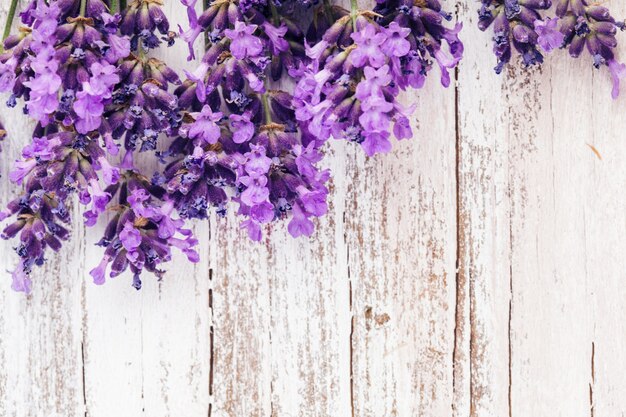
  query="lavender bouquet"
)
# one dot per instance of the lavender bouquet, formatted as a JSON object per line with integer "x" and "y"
{"x": 247, "y": 126}
{"x": 82, "y": 70}
{"x": 530, "y": 27}
{"x": 246, "y": 141}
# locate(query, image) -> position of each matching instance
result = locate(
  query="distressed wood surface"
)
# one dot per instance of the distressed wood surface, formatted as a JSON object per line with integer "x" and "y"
{"x": 477, "y": 270}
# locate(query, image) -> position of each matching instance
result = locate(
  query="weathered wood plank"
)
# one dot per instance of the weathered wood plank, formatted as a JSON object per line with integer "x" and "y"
{"x": 550, "y": 319}
{"x": 40, "y": 334}
{"x": 310, "y": 310}
{"x": 148, "y": 352}
{"x": 605, "y": 230}
{"x": 401, "y": 233}
{"x": 241, "y": 368}
{"x": 526, "y": 201}
{"x": 281, "y": 318}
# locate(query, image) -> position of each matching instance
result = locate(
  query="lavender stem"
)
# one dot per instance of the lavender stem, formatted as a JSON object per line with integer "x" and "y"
{"x": 10, "y": 16}
{"x": 354, "y": 11}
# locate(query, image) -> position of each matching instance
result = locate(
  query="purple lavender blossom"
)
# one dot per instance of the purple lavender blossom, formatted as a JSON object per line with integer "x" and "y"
{"x": 589, "y": 26}
{"x": 205, "y": 128}
{"x": 89, "y": 85}
{"x": 514, "y": 24}
{"x": 548, "y": 35}
{"x": 39, "y": 219}
{"x": 243, "y": 44}
{"x": 578, "y": 25}
{"x": 240, "y": 141}
{"x": 142, "y": 232}
{"x": 349, "y": 88}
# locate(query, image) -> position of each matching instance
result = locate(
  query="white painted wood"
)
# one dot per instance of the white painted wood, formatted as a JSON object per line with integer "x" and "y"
{"x": 402, "y": 251}
{"x": 534, "y": 269}
{"x": 40, "y": 334}
{"x": 370, "y": 316}
{"x": 147, "y": 352}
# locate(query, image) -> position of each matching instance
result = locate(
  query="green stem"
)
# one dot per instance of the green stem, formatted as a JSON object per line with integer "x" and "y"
{"x": 266, "y": 109}
{"x": 207, "y": 41}
{"x": 83, "y": 7}
{"x": 10, "y": 16}
{"x": 328, "y": 12}
{"x": 275, "y": 16}
{"x": 115, "y": 7}
{"x": 354, "y": 12}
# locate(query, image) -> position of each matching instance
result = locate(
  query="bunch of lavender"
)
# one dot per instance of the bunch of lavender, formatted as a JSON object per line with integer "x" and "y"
{"x": 514, "y": 26}
{"x": 71, "y": 66}
{"x": 142, "y": 231}
{"x": 61, "y": 64}
{"x": 240, "y": 140}
{"x": 39, "y": 218}
{"x": 362, "y": 61}
{"x": 576, "y": 26}
{"x": 143, "y": 107}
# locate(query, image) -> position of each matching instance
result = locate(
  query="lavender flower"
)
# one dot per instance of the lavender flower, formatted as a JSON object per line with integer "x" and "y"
{"x": 39, "y": 219}
{"x": 592, "y": 26}
{"x": 578, "y": 25}
{"x": 77, "y": 75}
{"x": 142, "y": 232}
{"x": 85, "y": 75}
{"x": 363, "y": 61}
{"x": 143, "y": 108}
{"x": 514, "y": 24}
{"x": 240, "y": 140}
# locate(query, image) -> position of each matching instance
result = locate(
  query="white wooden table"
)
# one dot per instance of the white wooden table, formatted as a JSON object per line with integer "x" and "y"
{"x": 478, "y": 270}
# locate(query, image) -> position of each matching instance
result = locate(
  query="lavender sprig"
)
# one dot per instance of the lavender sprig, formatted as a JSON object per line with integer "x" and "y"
{"x": 350, "y": 88}
{"x": 39, "y": 219}
{"x": 142, "y": 231}
{"x": 519, "y": 25}
{"x": 592, "y": 26}
{"x": 76, "y": 73}
{"x": 240, "y": 140}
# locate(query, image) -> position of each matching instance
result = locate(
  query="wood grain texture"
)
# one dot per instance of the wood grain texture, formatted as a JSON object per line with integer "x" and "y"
{"x": 402, "y": 252}
{"x": 538, "y": 231}
{"x": 477, "y": 270}
{"x": 40, "y": 334}
{"x": 147, "y": 352}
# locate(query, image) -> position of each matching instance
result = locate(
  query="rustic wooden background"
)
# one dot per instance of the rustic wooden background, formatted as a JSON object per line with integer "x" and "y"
{"x": 478, "y": 270}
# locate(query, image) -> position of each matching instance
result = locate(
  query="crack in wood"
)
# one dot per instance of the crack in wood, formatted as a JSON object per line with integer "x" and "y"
{"x": 510, "y": 390}
{"x": 352, "y": 399}
{"x": 272, "y": 407}
{"x": 510, "y": 328}
{"x": 472, "y": 342}
{"x": 458, "y": 312}
{"x": 82, "y": 365}
{"x": 83, "y": 305}
{"x": 211, "y": 343}
{"x": 593, "y": 379}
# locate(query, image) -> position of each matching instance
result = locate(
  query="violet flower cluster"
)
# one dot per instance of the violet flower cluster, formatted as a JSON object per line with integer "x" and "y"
{"x": 240, "y": 141}
{"x": 524, "y": 26}
{"x": 349, "y": 87}
{"x": 73, "y": 65}
{"x": 244, "y": 131}
{"x": 243, "y": 141}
